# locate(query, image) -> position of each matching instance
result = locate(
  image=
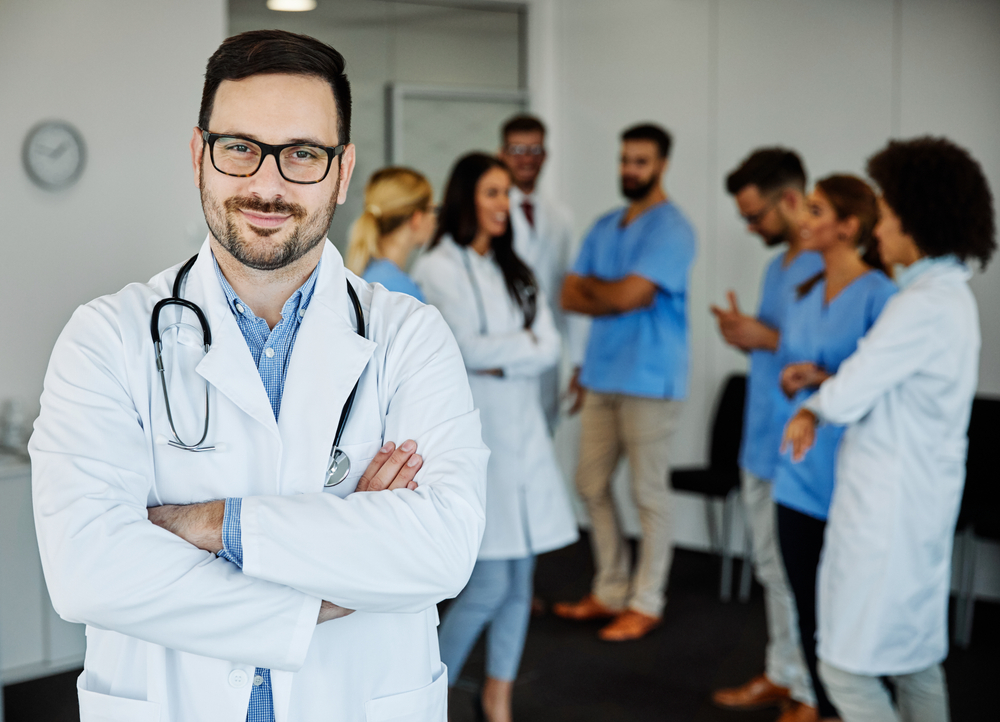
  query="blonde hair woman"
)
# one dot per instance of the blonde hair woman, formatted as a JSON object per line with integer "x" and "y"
{"x": 398, "y": 217}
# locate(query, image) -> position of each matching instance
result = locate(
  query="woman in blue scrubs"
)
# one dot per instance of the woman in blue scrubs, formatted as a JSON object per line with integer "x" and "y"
{"x": 399, "y": 217}
{"x": 833, "y": 311}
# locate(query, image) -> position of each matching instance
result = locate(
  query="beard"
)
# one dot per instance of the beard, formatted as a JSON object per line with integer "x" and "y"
{"x": 636, "y": 190}
{"x": 307, "y": 232}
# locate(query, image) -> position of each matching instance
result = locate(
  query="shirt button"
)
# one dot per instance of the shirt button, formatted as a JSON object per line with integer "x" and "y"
{"x": 269, "y": 352}
{"x": 302, "y": 312}
{"x": 238, "y": 678}
{"x": 258, "y": 680}
{"x": 239, "y": 308}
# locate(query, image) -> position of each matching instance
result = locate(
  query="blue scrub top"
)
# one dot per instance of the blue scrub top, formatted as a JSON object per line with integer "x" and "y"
{"x": 826, "y": 335}
{"x": 384, "y": 271}
{"x": 643, "y": 352}
{"x": 765, "y": 405}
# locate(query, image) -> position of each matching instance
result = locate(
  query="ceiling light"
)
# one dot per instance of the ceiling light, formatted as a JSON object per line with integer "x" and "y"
{"x": 292, "y": 6}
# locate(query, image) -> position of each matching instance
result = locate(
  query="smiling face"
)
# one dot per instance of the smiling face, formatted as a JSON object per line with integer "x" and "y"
{"x": 492, "y": 204}
{"x": 264, "y": 221}
{"x": 821, "y": 229}
{"x": 524, "y": 153}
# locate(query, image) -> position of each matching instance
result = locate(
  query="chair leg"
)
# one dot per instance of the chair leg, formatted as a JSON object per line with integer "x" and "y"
{"x": 968, "y": 604}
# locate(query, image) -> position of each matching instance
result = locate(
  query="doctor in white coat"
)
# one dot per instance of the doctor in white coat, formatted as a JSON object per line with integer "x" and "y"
{"x": 906, "y": 394}
{"x": 265, "y": 630}
{"x": 505, "y": 331}
{"x": 545, "y": 241}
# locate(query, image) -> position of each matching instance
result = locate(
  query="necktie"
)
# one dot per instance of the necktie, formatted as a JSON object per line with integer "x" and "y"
{"x": 529, "y": 212}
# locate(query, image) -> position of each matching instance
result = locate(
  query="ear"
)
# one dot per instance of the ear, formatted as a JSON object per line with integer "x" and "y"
{"x": 347, "y": 161}
{"x": 665, "y": 164}
{"x": 197, "y": 155}
{"x": 849, "y": 228}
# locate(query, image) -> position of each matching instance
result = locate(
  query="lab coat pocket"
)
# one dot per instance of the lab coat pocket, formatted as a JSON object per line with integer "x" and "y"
{"x": 427, "y": 704}
{"x": 96, "y": 707}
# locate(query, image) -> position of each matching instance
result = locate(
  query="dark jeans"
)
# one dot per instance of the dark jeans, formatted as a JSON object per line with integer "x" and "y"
{"x": 801, "y": 539}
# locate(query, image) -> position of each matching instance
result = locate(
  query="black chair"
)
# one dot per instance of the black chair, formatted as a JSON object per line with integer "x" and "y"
{"x": 979, "y": 516}
{"x": 721, "y": 480}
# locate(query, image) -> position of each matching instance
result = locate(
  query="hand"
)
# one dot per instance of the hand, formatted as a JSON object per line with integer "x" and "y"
{"x": 795, "y": 377}
{"x": 576, "y": 392}
{"x": 197, "y": 524}
{"x": 392, "y": 468}
{"x": 744, "y": 332}
{"x": 800, "y": 434}
{"x": 329, "y": 610}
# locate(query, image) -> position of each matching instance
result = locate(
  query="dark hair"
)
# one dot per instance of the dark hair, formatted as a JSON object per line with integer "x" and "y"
{"x": 648, "y": 131}
{"x": 522, "y": 123}
{"x": 940, "y": 194}
{"x": 770, "y": 169}
{"x": 851, "y": 197}
{"x": 457, "y": 218}
{"x": 260, "y": 52}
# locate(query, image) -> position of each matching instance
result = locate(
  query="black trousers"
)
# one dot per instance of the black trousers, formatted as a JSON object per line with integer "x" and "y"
{"x": 800, "y": 537}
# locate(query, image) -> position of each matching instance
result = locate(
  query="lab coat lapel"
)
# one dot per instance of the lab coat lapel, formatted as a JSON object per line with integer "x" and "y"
{"x": 328, "y": 358}
{"x": 228, "y": 365}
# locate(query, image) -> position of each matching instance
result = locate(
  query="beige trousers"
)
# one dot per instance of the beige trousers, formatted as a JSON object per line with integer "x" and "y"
{"x": 641, "y": 428}
{"x": 920, "y": 697}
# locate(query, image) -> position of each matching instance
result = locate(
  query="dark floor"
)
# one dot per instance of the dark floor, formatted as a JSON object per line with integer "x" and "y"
{"x": 567, "y": 674}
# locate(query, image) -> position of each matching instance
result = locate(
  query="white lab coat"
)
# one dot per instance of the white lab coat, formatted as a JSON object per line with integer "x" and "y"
{"x": 550, "y": 249}
{"x": 527, "y": 510}
{"x": 174, "y": 633}
{"x": 906, "y": 393}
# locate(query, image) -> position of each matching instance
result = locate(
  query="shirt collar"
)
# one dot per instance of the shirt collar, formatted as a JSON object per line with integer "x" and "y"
{"x": 295, "y": 306}
{"x": 911, "y": 273}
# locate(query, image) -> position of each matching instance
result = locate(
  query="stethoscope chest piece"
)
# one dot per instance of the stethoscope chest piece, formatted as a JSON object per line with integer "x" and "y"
{"x": 339, "y": 468}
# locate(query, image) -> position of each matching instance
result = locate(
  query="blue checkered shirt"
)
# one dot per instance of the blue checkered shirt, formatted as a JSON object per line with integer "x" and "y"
{"x": 271, "y": 350}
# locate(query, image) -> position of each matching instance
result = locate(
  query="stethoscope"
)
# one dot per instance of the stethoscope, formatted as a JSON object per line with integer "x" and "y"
{"x": 339, "y": 465}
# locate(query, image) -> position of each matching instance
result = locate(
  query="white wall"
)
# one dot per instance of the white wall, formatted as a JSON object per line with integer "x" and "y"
{"x": 128, "y": 75}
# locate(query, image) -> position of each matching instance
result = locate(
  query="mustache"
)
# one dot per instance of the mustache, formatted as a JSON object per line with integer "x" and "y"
{"x": 256, "y": 205}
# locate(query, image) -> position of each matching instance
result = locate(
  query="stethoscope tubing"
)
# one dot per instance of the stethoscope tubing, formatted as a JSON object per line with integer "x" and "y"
{"x": 175, "y": 300}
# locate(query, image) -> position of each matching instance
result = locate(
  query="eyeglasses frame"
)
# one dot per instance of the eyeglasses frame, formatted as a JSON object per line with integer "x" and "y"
{"x": 275, "y": 150}
{"x": 754, "y": 219}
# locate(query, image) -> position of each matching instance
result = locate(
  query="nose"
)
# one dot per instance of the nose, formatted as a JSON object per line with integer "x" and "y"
{"x": 267, "y": 181}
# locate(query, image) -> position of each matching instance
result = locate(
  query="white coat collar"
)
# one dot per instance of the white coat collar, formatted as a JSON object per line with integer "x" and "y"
{"x": 933, "y": 267}
{"x": 327, "y": 359}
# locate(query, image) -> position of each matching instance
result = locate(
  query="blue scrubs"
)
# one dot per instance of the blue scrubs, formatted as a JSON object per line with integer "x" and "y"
{"x": 766, "y": 407}
{"x": 825, "y": 334}
{"x": 384, "y": 271}
{"x": 643, "y": 352}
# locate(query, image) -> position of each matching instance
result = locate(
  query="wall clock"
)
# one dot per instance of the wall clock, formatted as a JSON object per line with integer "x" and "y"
{"x": 54, "y": 154}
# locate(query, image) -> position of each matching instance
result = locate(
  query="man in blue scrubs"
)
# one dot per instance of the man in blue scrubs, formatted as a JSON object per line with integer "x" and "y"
{"x": 768, "y": 189}
{"x": 632, "y": 277}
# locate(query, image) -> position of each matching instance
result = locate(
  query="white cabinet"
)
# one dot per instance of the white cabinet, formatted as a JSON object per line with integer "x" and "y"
{"x": 34, "y": 641}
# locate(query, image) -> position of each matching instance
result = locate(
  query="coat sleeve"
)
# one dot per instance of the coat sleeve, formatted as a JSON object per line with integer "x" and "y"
{"x": 576, "y": 325}
{"x": 105, "y": 564}
{"x": 389, "y": 551}
{"x": 516, "y": 352}
{"x": 904, "y": 339}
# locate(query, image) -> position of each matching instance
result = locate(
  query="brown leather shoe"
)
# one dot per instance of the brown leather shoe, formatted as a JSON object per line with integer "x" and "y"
{"x": 629, "y": 625}
{"x": 586, "y": 609}
{"x": 798, "y": 712}
{"x": 758, "y": 693}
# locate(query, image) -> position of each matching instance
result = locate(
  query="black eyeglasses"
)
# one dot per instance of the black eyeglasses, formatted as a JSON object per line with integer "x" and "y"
{"x": 753, "y": 219}
{"x": 522, "y": 149}
{"x": 297, "y": 162}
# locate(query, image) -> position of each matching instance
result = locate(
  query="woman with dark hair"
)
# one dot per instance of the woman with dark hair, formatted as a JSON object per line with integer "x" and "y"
{"x": 508, "y": 339}
{"x": 906, "y": 396}
{"x": 834, "y": 309}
